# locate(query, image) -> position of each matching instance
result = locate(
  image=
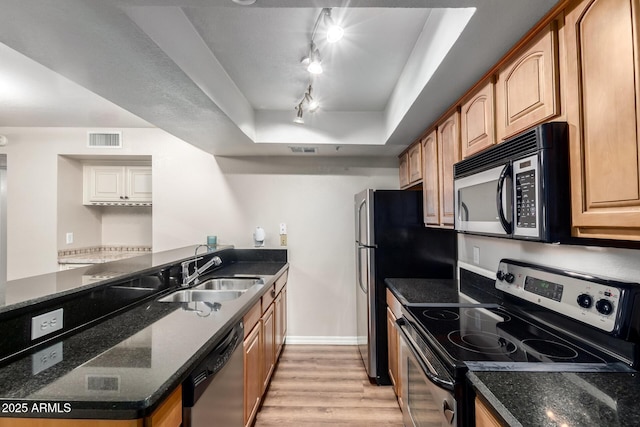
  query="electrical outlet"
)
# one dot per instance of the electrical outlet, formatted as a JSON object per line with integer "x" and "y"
{"x": 283, "y": 228}
{"x": 283, "y": 240}
{"x": 476, "y": 255}
{"x": 47, "y": 323}
{"x": 46, "y": 358}
{"x": 69, "y": 238}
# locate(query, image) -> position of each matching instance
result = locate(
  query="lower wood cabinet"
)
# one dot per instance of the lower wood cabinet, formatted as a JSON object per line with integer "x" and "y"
{"x": 393, "y": 343}
{"x": 484, "y": 416}
{"x": 265, "y": 329}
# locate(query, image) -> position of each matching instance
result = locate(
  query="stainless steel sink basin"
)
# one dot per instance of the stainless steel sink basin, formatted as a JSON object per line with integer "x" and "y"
{"x": 230, "y": 283}
{"x": 191, "y": 295}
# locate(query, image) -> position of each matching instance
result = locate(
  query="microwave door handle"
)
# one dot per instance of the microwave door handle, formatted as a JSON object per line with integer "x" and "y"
{"x": 506, "y": 172}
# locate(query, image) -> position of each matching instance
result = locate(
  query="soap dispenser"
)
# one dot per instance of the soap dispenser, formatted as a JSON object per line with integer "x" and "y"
{"x": 258, "y": 237}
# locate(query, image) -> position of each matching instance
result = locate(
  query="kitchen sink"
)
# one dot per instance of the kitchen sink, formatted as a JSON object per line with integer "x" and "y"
{"x": 230, "y": 283}
{"x": 191, "y": 295}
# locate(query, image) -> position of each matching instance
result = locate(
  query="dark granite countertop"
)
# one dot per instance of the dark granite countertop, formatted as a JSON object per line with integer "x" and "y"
{"x": 122, "y": 368}
{"x": 27, "y": 291}
{"x": 539, "y": 399}
{"x": 425, "y": 291}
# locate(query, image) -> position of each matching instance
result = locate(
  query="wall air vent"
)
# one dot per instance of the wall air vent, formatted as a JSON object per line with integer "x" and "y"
{"x": 104, "y": 140}
{"x": 304, "y": 150}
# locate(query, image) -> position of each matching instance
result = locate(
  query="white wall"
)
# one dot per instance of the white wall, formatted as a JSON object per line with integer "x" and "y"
{"x": 126, "y": 226}
{"x": 195, "y": 194}
{"x": 612, "y": 262}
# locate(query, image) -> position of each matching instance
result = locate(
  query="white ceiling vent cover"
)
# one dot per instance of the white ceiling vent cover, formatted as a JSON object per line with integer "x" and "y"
{"x": 104, "y": 140}
{"x": 304, "y": 150}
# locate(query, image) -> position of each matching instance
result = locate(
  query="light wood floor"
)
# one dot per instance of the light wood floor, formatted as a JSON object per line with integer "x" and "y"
{"x": 326, "y": 385}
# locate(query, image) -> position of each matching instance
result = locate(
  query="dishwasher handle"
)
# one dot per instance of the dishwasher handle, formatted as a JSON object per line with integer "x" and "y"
{"x": 200, "y": 377}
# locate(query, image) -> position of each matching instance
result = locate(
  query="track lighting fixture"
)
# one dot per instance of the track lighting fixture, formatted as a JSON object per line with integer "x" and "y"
{"x": 312, "y": 105}
{"x": 313, "y": 62}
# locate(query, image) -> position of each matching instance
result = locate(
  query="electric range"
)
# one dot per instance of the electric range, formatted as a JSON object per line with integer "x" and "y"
{"x": 530, "y": 318}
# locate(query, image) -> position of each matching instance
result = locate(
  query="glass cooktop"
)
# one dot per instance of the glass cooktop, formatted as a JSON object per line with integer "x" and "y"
{"x": 493, "y": 335}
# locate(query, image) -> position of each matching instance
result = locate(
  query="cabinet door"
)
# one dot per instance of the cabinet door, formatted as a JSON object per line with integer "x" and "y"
{"x": 106, "y": 183}
{"x": 448, "y": 153}
{"x": 527, "y": 86}
{"x": 392, "y": 349}
{"x": 404, "y": 170}
{"x": 602, "y": 109}
{"x": 252, "y": 373}
{"x": 430, "y": 184}
{"x": 268, "y": 354}
{"x": 281, "y": 319}
{"x": 414, "y": 159}
{"x": 478, "y": 121}
{"x": 484, "y": 417}
{"x": 138, "y": 184}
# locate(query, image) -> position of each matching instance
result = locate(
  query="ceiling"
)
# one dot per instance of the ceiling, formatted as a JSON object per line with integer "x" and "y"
{"x": 226, "y": 78}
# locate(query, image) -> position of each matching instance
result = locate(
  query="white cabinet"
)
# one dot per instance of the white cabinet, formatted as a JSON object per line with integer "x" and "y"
{"x": 117, "y": 185}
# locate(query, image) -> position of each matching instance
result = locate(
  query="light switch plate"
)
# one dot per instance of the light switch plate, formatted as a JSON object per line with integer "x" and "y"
{"x": 46, "y": 323}
{"x": 69, "y": 238}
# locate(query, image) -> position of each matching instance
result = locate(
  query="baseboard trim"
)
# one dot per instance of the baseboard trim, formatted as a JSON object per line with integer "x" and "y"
{"x": 319, "y": 340}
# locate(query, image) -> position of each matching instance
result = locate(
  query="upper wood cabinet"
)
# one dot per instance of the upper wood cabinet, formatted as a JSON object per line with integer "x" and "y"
{"x": 527, "y": 91}
{"x": 603, "y": 109}
{"x": 431, "y": 182}
{"x": 411, "y": 166}
{"x": 441, "y": 149}
{"x": 448, "y": 154}
{"x": 477, "y": 117}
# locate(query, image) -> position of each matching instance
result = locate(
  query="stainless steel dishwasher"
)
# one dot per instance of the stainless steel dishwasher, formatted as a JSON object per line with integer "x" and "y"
{"x": 213, "y": 393}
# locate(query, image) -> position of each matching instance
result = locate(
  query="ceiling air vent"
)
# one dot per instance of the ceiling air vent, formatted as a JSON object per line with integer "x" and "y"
{"x": 105, "y": 140}
{"x": 304, "y": 150}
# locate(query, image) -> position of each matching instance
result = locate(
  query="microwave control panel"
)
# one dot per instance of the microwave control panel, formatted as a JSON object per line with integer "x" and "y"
{"x": 526, "y": 195}
{"x": 577, "y": 297}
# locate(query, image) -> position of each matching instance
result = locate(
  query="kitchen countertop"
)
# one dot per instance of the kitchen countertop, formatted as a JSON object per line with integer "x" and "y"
{"x": 425, "y": 291}
{"x": 29, "y": 290}
{"x": 122, "y": 368}
{"x": 538, "y": 399}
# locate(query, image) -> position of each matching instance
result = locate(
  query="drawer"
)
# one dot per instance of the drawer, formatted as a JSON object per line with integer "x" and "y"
{"x": 281, "y": 281}
{"x": 252, "y": 318}
{"x": 394, "y": 304}
{"x": 268, "y": 297}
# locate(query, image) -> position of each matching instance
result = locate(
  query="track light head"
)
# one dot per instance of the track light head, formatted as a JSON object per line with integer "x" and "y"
{"x": 334, "y": 31}
{"x": 299, "y": 118}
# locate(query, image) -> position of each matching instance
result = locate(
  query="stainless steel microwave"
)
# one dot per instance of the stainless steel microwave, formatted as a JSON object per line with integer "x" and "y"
{"x": 517, "y": 189}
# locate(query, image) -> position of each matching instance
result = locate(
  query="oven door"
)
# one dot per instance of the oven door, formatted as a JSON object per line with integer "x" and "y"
{"x": 483, "y": 202}
{"x": 427, "y": 390}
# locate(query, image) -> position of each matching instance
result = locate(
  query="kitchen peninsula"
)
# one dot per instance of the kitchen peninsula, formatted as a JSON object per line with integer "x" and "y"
{"x": 122, "y": 354}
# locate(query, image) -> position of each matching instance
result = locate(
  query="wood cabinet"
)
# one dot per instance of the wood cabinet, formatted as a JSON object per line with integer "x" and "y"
{"x": 477, "y": 120}
{"x": 168, "y": 414}
{"x": 411, "y": 166}
{"x": 252, "y": 372}
{"x": 268, "y": 350}
{"x": 441, "y": 150}
{"x": 430, "y": 181}
{"x": 603, "y": 111}
{"x": 265, "y": 329}
{"x": 484, "y": 416}
{"x": 117, "y": 185}
{"x": 527, "y": 90}
{"x": 393, "y": 343}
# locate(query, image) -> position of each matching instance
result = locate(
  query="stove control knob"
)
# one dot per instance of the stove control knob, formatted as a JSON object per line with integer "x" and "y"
{"x": 604, "y": 306}
{"x": 585, "y": 300}
{"x": 509, "y": 278}
{"x": 500, "y": 275}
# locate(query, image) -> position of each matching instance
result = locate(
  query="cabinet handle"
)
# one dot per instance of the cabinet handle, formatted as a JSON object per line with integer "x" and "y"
{"x": 121, "y": 198}
{"x": 273, "y": 293}
{"x": 126, "y": 197}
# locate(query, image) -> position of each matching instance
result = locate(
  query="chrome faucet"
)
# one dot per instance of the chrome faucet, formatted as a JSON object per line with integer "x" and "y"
{"x": 194, "y": 277}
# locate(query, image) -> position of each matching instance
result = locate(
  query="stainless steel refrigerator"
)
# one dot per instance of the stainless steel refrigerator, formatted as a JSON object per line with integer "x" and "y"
{"x": 392, "y": 242}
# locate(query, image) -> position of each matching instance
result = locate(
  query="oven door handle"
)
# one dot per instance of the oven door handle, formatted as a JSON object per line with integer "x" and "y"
{"x": 430, "y": 373}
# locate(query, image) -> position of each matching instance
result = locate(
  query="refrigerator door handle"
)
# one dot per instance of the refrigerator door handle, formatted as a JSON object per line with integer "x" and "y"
{"x": 358, "y": 226}
{"x": 359, "y": 269}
